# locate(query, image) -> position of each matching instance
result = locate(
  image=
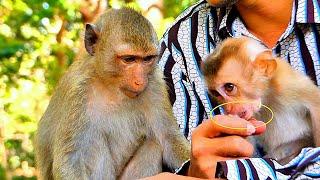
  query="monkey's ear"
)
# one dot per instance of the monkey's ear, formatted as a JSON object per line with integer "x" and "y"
{"x": 265, "y": 63}
{"x": 90, "y": 38}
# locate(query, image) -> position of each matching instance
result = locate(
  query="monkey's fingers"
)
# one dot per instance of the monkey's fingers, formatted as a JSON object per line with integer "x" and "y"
{"x": 223, "y": 124}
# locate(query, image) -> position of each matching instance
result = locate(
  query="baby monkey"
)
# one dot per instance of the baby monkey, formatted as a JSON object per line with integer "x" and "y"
{"x": 243, "y": 70}
{"x": 110, "y": 116}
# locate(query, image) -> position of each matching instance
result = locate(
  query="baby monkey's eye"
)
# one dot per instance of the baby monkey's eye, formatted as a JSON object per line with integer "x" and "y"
{"x": 230, "y": 88}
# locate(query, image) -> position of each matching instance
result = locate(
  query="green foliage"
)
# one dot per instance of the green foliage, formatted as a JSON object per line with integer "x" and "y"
{"x": 29, "y": 70}
{"x": 38, "y": 41}
{"x": 176, "y": 7}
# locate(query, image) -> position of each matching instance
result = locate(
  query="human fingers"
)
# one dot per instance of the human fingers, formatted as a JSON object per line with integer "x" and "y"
{"x": 233, "y": 146}
{"x": 223, "y": 124}
{"x": 227, "y": 146}
{"x": 259, "y": 126}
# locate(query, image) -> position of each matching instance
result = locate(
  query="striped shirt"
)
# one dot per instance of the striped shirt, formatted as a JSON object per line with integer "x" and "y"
{"x": 305, "y": 166}
{"x": 200, "y": 28}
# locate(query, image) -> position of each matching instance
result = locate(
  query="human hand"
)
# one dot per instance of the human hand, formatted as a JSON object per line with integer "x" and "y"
{"x": 211, "y": 142}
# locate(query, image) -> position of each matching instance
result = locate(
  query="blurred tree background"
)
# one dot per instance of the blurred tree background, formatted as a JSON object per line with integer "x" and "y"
{"x": 38, "y": 41}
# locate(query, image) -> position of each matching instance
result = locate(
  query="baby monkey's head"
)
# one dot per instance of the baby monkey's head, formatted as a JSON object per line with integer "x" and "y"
{"x": 239, "y": 70}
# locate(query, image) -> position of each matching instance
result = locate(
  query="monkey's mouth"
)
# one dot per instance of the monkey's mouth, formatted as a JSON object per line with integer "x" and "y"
{"x": 246, "y": 114}
{"x": 131, "y": 94}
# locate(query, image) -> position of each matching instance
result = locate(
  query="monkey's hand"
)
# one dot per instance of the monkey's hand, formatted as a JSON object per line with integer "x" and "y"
{"x": 217, "y": 140}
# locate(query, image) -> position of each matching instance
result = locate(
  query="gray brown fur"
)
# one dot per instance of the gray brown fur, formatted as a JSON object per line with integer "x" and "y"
{"x": 82, "y": 137}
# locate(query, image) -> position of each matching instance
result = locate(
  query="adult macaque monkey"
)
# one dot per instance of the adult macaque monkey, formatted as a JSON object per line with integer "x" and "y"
{"x": 244, "y": 70}
{"x": 109, "y": 117}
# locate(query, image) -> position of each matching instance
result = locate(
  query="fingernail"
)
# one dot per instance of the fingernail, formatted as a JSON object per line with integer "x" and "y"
{"x": 250, "y": 129}
{"x": 260, "y": 104}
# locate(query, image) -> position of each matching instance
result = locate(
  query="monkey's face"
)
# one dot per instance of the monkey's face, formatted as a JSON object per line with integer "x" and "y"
{"x": 124, "y": 47}
{"x": 238, "y": 73}
{"x": 243, "y": 83}
{"x": 234, "y": 82}
{"x": 136, "y": 67}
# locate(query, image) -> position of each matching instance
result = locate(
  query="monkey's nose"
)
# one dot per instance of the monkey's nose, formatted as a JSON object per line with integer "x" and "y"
{"x": 242, "y": 114}
{"x": 137, "y": 83}
{"x": 137, "y": 87}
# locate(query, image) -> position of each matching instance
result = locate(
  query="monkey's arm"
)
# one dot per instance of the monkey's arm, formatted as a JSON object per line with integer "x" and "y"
{"x": 176, "y": 148}
{"x": 81, "y": 153}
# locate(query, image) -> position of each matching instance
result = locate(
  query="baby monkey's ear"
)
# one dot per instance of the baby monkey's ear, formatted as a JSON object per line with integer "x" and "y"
{"x": 265, "y": 63}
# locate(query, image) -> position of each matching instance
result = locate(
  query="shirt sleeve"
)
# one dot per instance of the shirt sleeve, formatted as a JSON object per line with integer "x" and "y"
{"x": 183, "y": 170}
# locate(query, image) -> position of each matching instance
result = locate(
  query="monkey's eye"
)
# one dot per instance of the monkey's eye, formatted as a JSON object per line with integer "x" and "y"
{"x": 128, "y": 59}
{"x": 229, "y": 87}
{"x": 149, "y": 59}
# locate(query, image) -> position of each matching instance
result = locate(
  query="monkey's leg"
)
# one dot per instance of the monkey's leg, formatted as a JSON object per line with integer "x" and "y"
{"x": 147, "y": 161}
{"x": 287, "y": 151}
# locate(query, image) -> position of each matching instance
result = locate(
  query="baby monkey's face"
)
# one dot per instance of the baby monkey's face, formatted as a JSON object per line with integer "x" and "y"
{"x": 237, "y": 79}
{"x": 239, "y": 86}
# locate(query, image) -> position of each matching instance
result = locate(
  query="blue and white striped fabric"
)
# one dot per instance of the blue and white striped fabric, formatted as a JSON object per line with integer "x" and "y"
{"x": 200, "y": 28}
{"x": 305, "y": 166}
